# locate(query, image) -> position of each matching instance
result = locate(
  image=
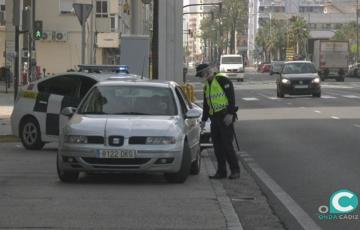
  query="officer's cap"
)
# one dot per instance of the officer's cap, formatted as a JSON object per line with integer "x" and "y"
{"x": 201, "y": 68}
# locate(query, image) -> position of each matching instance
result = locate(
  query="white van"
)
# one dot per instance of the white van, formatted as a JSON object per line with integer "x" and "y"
{"x": 232, "y": 66}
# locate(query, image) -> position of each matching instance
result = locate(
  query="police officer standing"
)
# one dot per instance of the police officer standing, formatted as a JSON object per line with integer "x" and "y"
{"x": 219, "y": 106}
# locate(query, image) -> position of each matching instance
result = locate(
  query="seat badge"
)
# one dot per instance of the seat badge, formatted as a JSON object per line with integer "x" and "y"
{"x": 116, "y": 141}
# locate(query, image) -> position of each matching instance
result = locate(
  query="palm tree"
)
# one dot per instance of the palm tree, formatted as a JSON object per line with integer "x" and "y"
{"x": 298, "y": 34}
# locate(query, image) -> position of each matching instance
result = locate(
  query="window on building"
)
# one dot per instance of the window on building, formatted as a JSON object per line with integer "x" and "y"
{"x": 101, "y": 9}
{"x": 65, "y": 6}
{"x": 113, "y": 23}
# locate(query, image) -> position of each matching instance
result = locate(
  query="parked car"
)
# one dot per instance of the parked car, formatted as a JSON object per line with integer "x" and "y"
{"x": 36, "y": 117}
{"x": 353, "y": 71}
{"x": 298, "y": 78}
{"x": 276, "y": 67}
{"x": 265, "y": 68}
{"x": 131, "y": 126}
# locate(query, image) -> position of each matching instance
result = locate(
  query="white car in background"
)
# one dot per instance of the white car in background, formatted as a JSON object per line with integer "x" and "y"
{"x": 36, "y": 117}
{"x": 232, "y": 65}
{"x": 131, "y": 126}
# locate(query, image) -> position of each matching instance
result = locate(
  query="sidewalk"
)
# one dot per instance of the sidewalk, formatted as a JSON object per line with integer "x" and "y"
{"x": 6, "y": 107}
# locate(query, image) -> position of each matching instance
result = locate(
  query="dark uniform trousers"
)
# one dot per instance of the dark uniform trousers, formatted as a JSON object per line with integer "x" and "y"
{"x": 222, "y": 138}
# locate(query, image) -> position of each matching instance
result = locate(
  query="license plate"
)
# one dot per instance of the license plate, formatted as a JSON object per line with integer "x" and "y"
{"x": 232, "y": 75}
{"x": 301, "y": 87}
{"x": 115, "y": 153}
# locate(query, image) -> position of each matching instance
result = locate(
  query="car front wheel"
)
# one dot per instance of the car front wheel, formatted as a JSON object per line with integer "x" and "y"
{"x": 65, "y": 176}
{"x": 183, "y": 173}
{"x": 30, "y": 134}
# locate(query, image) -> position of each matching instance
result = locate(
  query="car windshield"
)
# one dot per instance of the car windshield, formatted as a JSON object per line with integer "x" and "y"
{"x": 299, "y": 68}
{"x": 231, "y": 60}
{"x": 129, "y": 100}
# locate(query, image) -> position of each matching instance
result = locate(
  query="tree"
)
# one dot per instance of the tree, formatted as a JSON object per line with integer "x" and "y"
{"x": 298, "y": 34}
{"x": 222, "y": 27}
{"x": 271, "y": 37}
{"x": 347, "y": 32}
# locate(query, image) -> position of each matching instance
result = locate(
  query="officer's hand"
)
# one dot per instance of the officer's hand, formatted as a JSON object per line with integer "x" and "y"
{"x": 228, "y": 119}
{"x": 202, "y": 124}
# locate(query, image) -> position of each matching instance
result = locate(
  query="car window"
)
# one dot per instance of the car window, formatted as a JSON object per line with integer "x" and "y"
{"x": 184, "y": 102}
{"x": 231, "y": 60}
{"x": 60, "y": 85}
{"x": 141, "y": 100}
{"x": 298, "y": 68}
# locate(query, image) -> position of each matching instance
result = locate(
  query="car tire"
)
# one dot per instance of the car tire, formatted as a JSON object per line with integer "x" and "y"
{"x": 65, "y": 176}
{"x": 317, "y": 94}
{"x": 280, "y": 94}
{"x": 242, "y": 80}
{"x": 196, "y": 165}
{"x": 183, "y": 173}
{"x": 30, "y": 134}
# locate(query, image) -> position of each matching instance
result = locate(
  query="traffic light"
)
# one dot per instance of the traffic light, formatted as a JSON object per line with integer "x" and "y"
{"x": 38, "y": 30}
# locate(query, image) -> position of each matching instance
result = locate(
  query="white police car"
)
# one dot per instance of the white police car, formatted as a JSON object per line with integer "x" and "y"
{"x": 36, "y": 115}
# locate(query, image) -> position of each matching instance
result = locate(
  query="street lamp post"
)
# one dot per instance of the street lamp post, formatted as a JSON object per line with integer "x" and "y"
{"x": 357, "y": 31}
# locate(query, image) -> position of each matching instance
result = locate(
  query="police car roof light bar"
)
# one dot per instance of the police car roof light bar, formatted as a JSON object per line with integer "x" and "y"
{"x": 104, "y": 68}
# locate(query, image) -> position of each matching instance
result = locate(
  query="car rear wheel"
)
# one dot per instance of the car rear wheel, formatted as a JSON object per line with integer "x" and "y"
{"x": 196, "y": 165}
{"x": 317, "y": 94}
{"x": 30, "y": 134}
{"x": 183, "y": 173}
{"x": 65, "y": 176}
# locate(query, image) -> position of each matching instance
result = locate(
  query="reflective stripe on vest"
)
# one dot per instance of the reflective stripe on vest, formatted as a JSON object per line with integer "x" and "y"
{"x": 215, "y": 96}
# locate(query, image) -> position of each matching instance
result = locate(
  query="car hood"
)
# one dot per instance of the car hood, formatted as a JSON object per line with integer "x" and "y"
{"x": 124, "y": 125}
{"x": 301, "y": 76}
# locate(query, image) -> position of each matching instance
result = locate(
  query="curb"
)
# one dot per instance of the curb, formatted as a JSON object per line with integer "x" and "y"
{"x": 294, "y": 218}
{"x": 226, "y": 207}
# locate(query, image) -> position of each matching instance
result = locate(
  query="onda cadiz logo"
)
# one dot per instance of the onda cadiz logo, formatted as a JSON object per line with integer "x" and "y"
{"x": 341, "y": 203}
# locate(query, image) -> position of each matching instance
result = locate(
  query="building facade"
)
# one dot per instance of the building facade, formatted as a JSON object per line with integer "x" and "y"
{"x": 59, "y": 49}
{"x": 323, "y": 17}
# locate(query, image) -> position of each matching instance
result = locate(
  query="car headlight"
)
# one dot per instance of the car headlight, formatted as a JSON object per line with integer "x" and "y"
{"x": 285, "y": 81}
{"x": 160, "y": 140}
{"x": 316, "y": 80}
{"x": 75, "y": 139}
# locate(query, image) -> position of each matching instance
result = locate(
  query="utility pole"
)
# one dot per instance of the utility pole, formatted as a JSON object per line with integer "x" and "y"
{"x": 32, "y": 51}
{"x": 16, "y": 22}
{"x": 155, "y": 41}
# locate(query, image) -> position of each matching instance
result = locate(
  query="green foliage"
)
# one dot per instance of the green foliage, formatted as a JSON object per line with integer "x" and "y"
{"x": 222, "y": 28}
{"x": 348, "y": 32}
{"x": 277, "y": 35}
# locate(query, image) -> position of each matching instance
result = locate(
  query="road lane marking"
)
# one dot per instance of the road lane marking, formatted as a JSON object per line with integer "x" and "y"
{"x": 327, "y": 97}
{"x": 317, "y": 111}
{"x": 357, "y": 125}
{"x": 303, "y": 219}
{"x": 335, "y": 117}
{"x": 351, "y": 96}
{"x": 250, "y": 99}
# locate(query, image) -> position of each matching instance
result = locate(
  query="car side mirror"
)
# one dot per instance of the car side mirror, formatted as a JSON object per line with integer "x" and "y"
{"x": 68, "y": 111}
{"x": 193, "y": 113}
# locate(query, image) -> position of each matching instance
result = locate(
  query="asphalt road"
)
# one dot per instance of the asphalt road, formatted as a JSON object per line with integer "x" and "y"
{"x": 32, "y": 197}
{"x": 307, "y": 146}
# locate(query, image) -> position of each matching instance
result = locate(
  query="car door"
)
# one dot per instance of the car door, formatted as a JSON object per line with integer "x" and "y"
{"x": 55, "y": 94}
{"x": 192, "y": 128}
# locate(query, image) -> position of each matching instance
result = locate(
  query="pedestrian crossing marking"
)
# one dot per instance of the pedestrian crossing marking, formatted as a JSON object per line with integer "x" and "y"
{"x": 351, "y": 96}
{"x": 250, "y": 99}
{"x": 328, "y": 97}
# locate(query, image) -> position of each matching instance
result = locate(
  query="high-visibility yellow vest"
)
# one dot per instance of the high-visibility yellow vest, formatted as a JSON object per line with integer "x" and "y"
{"x": 215, "y": 96}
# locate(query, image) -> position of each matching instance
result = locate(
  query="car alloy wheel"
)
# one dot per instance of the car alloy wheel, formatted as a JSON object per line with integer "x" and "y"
{"x": 30, "y": 134}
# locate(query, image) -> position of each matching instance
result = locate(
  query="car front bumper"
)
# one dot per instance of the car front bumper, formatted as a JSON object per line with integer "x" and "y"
{"x": 74, "y": 157}
{"x": 292, "y": 89}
